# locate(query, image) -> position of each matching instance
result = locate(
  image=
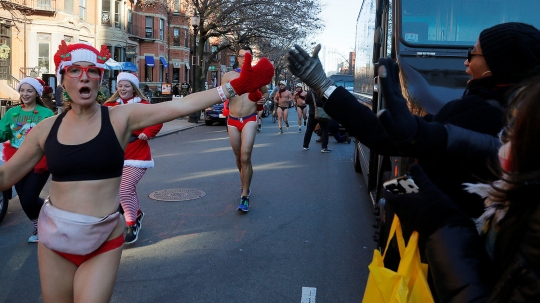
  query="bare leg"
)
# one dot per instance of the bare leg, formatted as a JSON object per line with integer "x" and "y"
{"x": 286, "y": 117}
{"x": 236, "y": 141}
{"x": 248, "y": 139}
{"x": 279, "y": 116}
{"x": 299, "y": 112}
{"x": 242, "y": 146}
{"x": 62, "y": 281}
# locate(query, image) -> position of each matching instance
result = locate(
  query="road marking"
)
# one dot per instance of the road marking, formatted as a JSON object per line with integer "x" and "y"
{"x": 308, "y": 294}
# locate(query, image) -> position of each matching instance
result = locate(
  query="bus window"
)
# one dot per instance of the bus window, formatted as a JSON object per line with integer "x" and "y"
{"x": 459, "y": 22}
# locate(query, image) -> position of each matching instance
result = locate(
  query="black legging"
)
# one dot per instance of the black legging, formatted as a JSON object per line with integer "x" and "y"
{"x": 28, "y": 190}
{"x": 312, "y": 122}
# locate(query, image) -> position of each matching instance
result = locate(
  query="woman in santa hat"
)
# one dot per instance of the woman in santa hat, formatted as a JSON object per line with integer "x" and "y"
{"x": 137, "y": 157}
{"x": 14, "y": 127}
{"x": 80, "y": 229}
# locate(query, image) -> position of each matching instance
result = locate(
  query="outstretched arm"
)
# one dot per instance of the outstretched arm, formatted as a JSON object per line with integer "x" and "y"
{"x": 251, "y": 79}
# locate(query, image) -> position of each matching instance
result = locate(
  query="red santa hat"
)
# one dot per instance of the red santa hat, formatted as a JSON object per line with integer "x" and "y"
{"x": 128, "y": 76}
{"x": 36, "y": 83}
{"x": 69, "y": 54}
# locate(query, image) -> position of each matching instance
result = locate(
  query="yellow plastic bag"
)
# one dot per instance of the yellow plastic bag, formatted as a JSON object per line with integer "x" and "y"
{"x": 408, "y": 284}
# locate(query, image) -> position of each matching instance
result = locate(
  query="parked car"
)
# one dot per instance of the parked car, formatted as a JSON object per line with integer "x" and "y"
{"x": 213, "y": 114}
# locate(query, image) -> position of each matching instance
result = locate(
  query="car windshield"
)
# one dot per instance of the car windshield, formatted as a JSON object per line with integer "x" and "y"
{"x": 459, "y": 22}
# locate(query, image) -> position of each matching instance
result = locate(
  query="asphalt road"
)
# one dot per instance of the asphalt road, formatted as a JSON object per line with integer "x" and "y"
{"x": 307, "y": 236}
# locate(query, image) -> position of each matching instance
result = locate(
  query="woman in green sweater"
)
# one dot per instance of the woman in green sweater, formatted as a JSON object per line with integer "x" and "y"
{"x": 14, "y": 127}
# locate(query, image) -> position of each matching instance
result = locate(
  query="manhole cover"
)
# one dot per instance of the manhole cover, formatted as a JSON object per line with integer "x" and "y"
{"x": 177, "y": 194}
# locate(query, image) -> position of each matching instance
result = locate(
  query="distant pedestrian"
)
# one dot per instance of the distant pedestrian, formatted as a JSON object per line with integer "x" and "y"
{"x": 283, "y": 100}
{"x": 313, "y": 101}
{"x": 58, "y": 98}
{"x": 300, "y": 103}
{"x": 176, "y": 90}
{"x": 104, "y": 88}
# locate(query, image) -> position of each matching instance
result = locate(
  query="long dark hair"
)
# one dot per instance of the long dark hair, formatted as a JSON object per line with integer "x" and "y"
{"x": 522, "y": 132}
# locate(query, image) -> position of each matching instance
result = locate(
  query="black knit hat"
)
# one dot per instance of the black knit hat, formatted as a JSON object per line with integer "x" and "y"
{"x": 511, "y": 50}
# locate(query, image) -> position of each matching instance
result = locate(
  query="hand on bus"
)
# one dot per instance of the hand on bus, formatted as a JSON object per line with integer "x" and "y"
{"x": 400, "y": 124}
{"x": 427, "y": 210}
{"x": 309, "y": 68}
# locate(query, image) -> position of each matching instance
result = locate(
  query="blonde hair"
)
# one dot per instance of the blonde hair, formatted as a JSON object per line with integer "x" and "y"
{"x": 136, "y": 92}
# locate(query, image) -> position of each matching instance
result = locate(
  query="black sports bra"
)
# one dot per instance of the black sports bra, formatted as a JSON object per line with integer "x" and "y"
{"x": 100, "y": 158}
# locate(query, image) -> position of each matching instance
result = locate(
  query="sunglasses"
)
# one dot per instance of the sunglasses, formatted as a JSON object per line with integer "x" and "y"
{"x": 470, "y": 55}
{"x": 93, "y": 72}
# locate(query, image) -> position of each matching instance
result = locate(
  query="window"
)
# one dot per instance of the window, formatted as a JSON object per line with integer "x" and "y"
{"x": 148, "y": 73}
{"x": 176, "y": 8}
{"x": 44, "y": 4}
{"x": 161, "y": 28}
{"x": 176, "y": 36}
{"x": 186, "y": 37}
{"x": 68, "y": 6}
{"x": 105, "y": 12}
{"x": 129, "y": 22}
{"x": 82, "y": 9}
{"x": 149, "y": 27}
{"x": 117, "y": 14}
{"x": 44, "y": 41}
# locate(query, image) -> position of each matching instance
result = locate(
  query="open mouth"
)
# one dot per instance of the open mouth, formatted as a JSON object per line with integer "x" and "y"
{"x": 84, "y": 91}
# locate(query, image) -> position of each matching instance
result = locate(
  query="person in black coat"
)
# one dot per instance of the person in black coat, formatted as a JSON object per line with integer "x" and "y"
{"x": 313, "y": 101}
{"x": 399, "y": 133}
{"x": 498, "y": 260}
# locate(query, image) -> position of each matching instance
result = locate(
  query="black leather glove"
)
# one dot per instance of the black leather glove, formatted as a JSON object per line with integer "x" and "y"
{"x": 427, "y": 210}
{"x": 309, "y": 69}
{"x": 397, "y": 120}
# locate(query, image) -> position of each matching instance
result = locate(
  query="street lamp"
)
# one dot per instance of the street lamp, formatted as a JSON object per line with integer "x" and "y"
{"x": 194, "y": 118}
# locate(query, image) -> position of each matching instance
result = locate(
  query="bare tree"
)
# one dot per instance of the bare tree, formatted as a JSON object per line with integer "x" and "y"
{"x": 240, "y": 22}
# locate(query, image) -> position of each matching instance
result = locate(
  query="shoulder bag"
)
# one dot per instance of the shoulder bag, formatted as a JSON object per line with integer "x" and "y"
{"x": 320, "y": 114}
{"x": 409, "y": 283}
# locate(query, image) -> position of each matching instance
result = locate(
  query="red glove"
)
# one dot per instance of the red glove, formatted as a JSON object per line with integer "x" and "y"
{"x": 253, "y": 77}
{"x": 255, "y": 96}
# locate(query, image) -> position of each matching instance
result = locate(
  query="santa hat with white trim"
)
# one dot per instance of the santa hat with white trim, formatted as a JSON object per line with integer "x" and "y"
{"x": 69, "y": 54}
{"x": 129, "y": 77}
{"x": 36, "y": 83}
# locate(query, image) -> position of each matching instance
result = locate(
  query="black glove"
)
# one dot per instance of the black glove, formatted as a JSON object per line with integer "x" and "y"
{"x": 400, "y": 125}
{"x": 427, "y": 210}
{"x": 309, "y": 69}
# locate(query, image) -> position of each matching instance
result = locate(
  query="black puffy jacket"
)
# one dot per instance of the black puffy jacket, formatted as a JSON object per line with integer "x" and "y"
{"x": 462, "y": 271}
{"x": 473, "y": 112}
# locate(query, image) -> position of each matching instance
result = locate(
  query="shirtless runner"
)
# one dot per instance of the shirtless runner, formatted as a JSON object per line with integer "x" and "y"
{"x": 283, "y": 99}
{"x": 242, "y": 127}
{"x": 300, "y": 103}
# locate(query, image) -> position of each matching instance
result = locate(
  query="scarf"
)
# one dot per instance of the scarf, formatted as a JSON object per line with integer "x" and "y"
{"x": 135, "y": 99}
{"x": 298, "y": 94}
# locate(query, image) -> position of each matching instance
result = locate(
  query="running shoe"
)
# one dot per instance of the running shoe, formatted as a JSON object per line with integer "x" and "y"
{"x": 34, "y": 237}
{"x": 140, "y": 217}
{"x": 299, "y": 129}
{"x": 280, "y": 131}
{"x": 259, "y": 129}
{"x": 132, "y": 234}
{"x": 287, "y": 125}
{"x": 241, "y": 190}
{"x": 244, "y": 204}
{"x": 325, "y": 150}
{"x": 306, "y": 148}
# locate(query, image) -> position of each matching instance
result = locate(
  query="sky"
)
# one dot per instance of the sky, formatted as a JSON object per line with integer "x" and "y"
{"x": 338, "y": 37}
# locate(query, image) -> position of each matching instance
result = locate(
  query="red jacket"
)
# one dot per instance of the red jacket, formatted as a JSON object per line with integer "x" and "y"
{"x": 137, "y": 153}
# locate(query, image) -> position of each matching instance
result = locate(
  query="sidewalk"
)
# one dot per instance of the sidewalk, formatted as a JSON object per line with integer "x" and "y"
{"x": 178, "y": 125}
